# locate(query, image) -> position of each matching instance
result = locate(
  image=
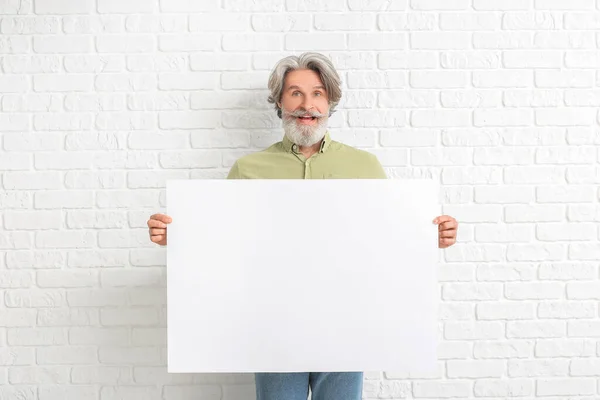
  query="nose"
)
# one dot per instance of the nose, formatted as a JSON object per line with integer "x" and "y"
{"x": 307, "y": 104}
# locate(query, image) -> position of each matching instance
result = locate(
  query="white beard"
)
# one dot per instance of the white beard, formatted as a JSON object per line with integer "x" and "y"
{"x": 304, "y": 135}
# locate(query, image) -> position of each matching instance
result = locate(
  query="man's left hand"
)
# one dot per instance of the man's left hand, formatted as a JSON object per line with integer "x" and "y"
{"x": 447, "y": 229}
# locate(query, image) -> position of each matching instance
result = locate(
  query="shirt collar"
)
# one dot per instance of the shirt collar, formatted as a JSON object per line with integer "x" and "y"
{"x": 291, "y": 147}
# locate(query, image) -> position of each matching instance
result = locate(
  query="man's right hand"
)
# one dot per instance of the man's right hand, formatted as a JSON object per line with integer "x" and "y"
{"x": 157, "y": 228}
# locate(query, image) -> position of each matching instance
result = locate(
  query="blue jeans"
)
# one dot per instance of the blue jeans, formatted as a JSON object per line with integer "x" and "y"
{"x": 323, "y": 385}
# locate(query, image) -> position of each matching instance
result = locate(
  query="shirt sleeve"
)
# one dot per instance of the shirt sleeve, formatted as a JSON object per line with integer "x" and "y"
{"x": 234, "y": 172}
{"x": 378, "y": 171}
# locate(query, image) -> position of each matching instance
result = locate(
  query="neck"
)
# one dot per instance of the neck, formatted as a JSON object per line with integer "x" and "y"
{"x": 308, "y": 151}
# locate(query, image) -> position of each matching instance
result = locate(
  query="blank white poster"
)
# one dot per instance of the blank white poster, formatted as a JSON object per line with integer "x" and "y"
{"x": 302, "y": 275}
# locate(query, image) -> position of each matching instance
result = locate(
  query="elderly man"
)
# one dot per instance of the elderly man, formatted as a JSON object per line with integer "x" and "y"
{"x": 305, "y": 90}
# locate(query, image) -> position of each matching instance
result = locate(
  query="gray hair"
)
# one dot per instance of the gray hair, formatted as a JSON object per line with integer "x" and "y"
{"x": 313, "y": 61}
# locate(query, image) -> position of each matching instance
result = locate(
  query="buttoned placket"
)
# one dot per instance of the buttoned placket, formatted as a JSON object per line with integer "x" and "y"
{"x": 307, "y": 167}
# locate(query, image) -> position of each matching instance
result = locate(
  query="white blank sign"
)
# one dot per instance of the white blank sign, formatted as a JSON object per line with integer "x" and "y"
{"x": 302, "y": 275}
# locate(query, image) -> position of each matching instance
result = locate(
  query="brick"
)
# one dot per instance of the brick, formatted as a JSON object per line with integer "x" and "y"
{"x": 96, "y": 297}
{"x": 12, "y": 199}
{"x": 564, "y": 79}
{"x": 503, "y": 155}
{"x": 506, "y": 195}
{"x": 568, "y": 271}
{"x": 469, "y": 60}
{"x": 503, "y": 79}
{"x": 312, "y": 5}
{"x": 184, "y": 6}
{"x": 16, "y": 356}
{"x": 138, "y": 316}
{"x": 475, "y": 369}
{"x": 62, "y": 44}
{"x": 454, "y": 330}
{"x": 285, "y": 22}
{"x": 470, "y": 291}
{"x": 535, "y": 329}
{"x": 81, "y": 63}
{"x": 524, "y": 174}
{"x": 568, "y": 310}
{"x": 67, "y": 317}
{"x": 329, "y": 22}
{"x": 565, "y": 387}
{"x": 75, "y": 355}
{"x": 566, "y": 231}
{"x": 532, "y": 59}
{"x": 32, "y": 180}
{"x": 67, "y": 392}
{"x": 34, "y": 298}
{"x": 469, "y": 22}
{"x": 440, "y": 41}
{"x": 308, "y": 42}
{"x": 193, "y": 43}
{"x": 130, "y": 6}
{"x": 39, "y": 375}
{"x": 394, "y": 98}
{"x": 375, "y": 79}
{"x": 505, "y": 5}
{"x": 101, "y": 375}
{"x": 15, "y": 45}
{"x": 98, "y": 336}
{"x": 503, "y": 40}
{"x": 564, "y": 348}
{"x": 537, "y": 20}
{"x": 535, "y": 252}
{"x": 402, "y": 60}
{"x": 505, "y": 349}
{"x": 559, "y": 5}
{"x": 376, "y": 41}
{"x": 440, "y": 118}
{"x": 564, "y": 40}
{"x": 125, "y": 44}
{"x": 503, "y": 388}
{"x": 126, "y": 82}
{"x": 12, "y": 318}
{"x": 64, "y": 6}
{"x": 563, "y": 194}
{"x": 503, "y": 233}
{"x": 534, "y": 98}
{"x": 441, "y": 389}
{"x": 438, "y": 79}
{"x": 31, "y": 102}
{"x": 63, "y": 83}
{"x": 93, "y": 24}
{"x": 505, "y": 311}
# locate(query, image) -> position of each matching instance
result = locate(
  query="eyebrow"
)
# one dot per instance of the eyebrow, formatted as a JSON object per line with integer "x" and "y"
{"x": 298, "y": 87}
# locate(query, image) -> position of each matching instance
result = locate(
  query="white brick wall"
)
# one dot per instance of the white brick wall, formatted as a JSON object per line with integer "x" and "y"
{"x": 103, "y": 101}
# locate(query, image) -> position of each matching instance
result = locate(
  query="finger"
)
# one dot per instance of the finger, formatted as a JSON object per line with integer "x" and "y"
{"x": 447, "y": 242}
{"x": 157, "y": 231}
{"x": 447, "y": 226}
{"x": 156, "y": 238}
{"x": 447, "y": 234}
{"x": 153, "y": 223}
{"x": 162, "y": 217}
{"x": 442, "y": 218}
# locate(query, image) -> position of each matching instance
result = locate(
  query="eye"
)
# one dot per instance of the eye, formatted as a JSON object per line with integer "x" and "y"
{"x": 318, "y": 93}
{"x": 295, "y": 93}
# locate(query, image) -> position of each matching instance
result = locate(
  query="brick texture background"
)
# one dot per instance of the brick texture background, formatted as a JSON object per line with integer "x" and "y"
{"x": 103, "y": 101}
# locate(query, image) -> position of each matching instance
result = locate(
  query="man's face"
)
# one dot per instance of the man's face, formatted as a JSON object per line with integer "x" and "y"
{"x": 305, "y": 107}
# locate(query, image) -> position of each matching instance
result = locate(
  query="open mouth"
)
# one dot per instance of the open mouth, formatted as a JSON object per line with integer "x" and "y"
{"x": 307, "y": 119}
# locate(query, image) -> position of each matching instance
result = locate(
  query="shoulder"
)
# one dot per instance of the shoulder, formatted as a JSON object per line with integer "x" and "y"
{"x": 367, "y": 163}
{"x": 248, "y": 161}
{"x": 353, "y": 152}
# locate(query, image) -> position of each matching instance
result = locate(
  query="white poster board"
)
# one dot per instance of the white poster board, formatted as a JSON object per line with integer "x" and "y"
{"x": 302, "y": 275}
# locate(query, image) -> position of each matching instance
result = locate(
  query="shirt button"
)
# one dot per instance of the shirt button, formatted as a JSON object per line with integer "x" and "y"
{"x": 295, "y": 148}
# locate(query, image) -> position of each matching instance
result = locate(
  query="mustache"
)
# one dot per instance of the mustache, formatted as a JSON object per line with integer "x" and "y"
{"x": 300, "y": 113}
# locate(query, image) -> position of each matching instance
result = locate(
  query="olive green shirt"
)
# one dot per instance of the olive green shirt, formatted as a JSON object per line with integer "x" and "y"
{"x": 283, "y": 160}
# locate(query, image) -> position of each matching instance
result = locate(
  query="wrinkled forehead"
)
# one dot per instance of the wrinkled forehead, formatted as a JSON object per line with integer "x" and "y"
{"x": 303, "y": 79}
